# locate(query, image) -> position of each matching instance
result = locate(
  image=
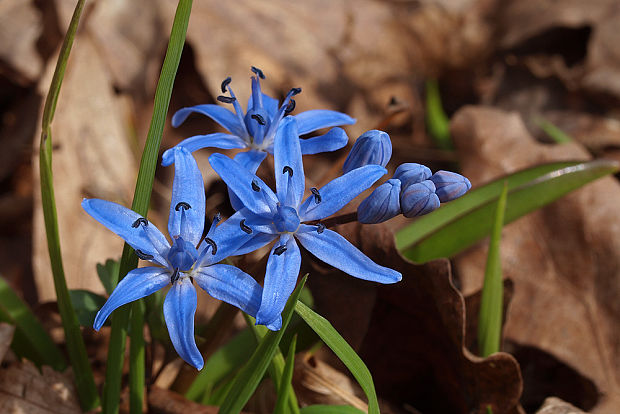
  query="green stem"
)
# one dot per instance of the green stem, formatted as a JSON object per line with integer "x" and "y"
{"x": 136, "y": 359}
{"x": 85, "y": 384}
{"x": 140, "y": 205}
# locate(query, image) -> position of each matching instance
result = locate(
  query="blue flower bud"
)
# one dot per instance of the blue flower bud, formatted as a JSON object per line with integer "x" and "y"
{"x": 419, "y": 199}
{"x": 372, "y": 147}
{"x": 449, "y": 185}
{"x": 411, "y": 173}
{"x": 383, "y": 204}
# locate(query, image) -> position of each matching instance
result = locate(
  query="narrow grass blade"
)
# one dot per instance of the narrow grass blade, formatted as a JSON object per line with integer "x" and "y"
{"x": 555, "y": 133}
{"x": 452, "y": 211}
{"x": 437, "y": 121}
{"x": 490, "y": 317}
{"x": 84, "y": 382}
{"x": 251, "y": 374}
{"x": 330, "y": 409}
{"x": 343, "y": 350}
{"x": 142, "y": 196}
{"x": 30, "y": 340}
{"x": 460, "y": 231}
{"x": 276, "y": 368}
{"x": 136, "y": 359}
{"x": 285, "y": 384}
{"x": 224, "y": 361}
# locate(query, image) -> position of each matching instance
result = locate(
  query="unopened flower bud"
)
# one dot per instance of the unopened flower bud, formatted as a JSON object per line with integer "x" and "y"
{"x": 411, "y": 173}
{"x": 449, "y": 185}
{"x": 372, "y": 147}
{"x": 419, "y": 199}
{"x": 383, "y": 204}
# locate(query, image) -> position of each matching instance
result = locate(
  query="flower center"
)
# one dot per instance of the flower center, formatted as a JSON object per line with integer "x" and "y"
{"x": 182, "y": 255}
{"x": 286, "y": 220}
{"x": 257, "y": 121}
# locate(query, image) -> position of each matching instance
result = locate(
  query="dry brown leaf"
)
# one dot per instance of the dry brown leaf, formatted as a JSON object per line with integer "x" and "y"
{"x": 92, "y": 158}
{"x": 316, "y": 382}
{"x": 562, "y": 260}
{"x": 555, "y": 405}
{"x": 6, "y": 336}
{"x": 23, "y": 389}
{"x": 596, "y": 133}
{"x": 20, "y": 27}
{"x": 412, "y": 333}
{"x": 162, "y": 401}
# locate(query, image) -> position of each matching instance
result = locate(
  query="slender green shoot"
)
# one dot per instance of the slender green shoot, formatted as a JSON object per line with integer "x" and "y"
{"x": 490, "y": 317}
{"x": 142, "y": 196}
{"x": 285, "y": 383}
{"x": 555, "y": 133}
{"x": 437, "y": 121}
{"x": 84, "y": 382}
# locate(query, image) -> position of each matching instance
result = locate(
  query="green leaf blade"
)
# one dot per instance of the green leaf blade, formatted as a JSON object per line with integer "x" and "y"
{"x": 459, "y": 231}
{"x": 330, "y": 409}
{"x": 490, "y": 317}
{"x": 287, "y": 376}
{"x": 251, "y": 374}
{"x": 343, "y": 350}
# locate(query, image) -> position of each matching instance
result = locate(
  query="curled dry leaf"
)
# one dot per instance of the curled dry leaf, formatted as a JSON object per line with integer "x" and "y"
{"x": 6, "y": 336}
{"x": 413, "y": 333}
{"x": 91, "y": 158}
{"x": 316, "y": 382}
{"x": 23, "y": 389}
{"x": 555, "y": 405}
{"x": 564, "y": 317}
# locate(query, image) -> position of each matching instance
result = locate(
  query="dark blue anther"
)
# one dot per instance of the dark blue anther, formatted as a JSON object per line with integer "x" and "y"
{"x": 244, "y": 227}
{"x": 288, "y": 170}
{"x": 320, "y": 227}
{"x": 259, "y": 119}
{"x": 213, "y": 245}
{"x": 258, "y": 72}
{"x": 279, "y": 250}
{"x": 226, "y": 99}
{"x": 182, "y": 205}
{"x": 317, "y": 195}
{"x": 290, "y": 107}
{"x": 143, "y": 255}
{"x": 295, "y": 91}
{"x": 255, "y": 186}
{"x": 139, "y": 221}
{"x": 175, "y": 276}
{"x": 225, "y": 83}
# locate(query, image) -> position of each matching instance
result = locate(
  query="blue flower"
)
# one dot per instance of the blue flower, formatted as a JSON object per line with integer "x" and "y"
{"x": 449, "y": 185}
{"x": 382, "y": 205}
{"x": 372, "y": 147}
{"x": 179, "y": 264}
{"x": 258, "y": 127}
{"x": 418, "y": 199}
{"x": 284, "y": 216}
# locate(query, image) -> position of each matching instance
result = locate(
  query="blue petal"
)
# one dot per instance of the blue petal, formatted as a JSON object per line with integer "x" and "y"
{"x": 179, "y": 310}
{"x": 146, "y": 238}
{"x": 187, "y": 207}
{"x": 449, "y": 185}
{"x": 135, "y": 285}
{"x": 280, "y": 279}
{"x": 372, "y": 147}
{"x": 382, "y": 205}
{"x": 239, "y": 180}
{"x": 269, "y": 104}
{"x": 419, "y": 199}
{"x": 222, "y": 116}
{"x": 335, "y": 139}
{"x": 217, "y": 140}
{"x": 335, "y": 250}
{"x": 290, "y": 185}
{"x": 251, "y": 161}
{"x": 231, "y": 285}
{"x": 337, "y": 193}
{"x": 411, "y": 173}
{"x": 229, "y": 237}
{"x": 255, "y": 243}
{"x": 321, "y": 118}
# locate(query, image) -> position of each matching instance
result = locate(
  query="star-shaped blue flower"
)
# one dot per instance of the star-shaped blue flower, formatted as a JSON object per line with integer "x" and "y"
{"x": 180, "y": 264}
{"x": 258, "y": 127}
{"x": 284, "y": 216}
